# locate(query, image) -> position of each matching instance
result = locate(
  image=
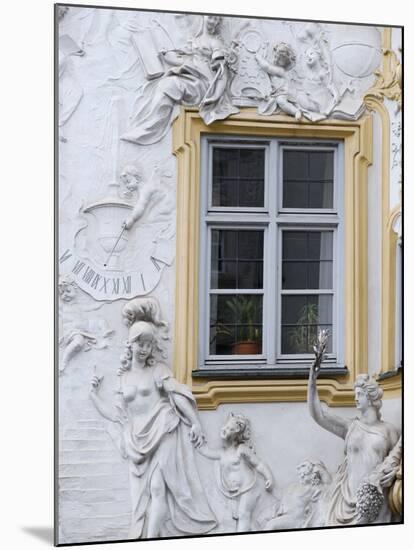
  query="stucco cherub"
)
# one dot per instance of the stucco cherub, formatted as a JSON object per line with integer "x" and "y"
{"x": 146, "y": 192}
{"x": 76, "y": 332}
{"x": 281, "y": 97}
{"x": 303, "y": 502}
{"x": 237, "y": 470}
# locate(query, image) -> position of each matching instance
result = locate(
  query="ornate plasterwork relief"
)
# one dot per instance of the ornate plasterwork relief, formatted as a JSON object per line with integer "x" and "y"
{"x": 78, "y": 329}
{"x": 303, "y": 503}
{"x": 228, "y": 63}
{"x": 396, "y": 160}
{"x": 396, "y": 147}
{"x": 360, "y": 488}
{"x": 154, "y": 423}
{"x": 197, "y": 74}
{"x": 313, "y": 76}
{"x": 139, "y": 180}
{"x": 123, "y": 243}
{"x": 250, "y": 81}
{"x": 388, "y": 83}
{"x": 124, "y": 236}
{"x": 156, "y": 427}
{"x": 238, "y": 469}
{"x": 70, "y": 89}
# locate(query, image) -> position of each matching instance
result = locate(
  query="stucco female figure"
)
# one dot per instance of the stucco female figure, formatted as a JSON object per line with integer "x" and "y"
{"x": 159, "y": 426}
{"x": 198, "y": 75}
{"x": 317, "y": 91}
{"x": 359, "y": 489}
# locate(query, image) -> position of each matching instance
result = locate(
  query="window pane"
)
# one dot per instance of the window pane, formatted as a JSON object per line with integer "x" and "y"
{"x": 236, "y": 324}
{"x": 236, "y": 259}
{"x": 308, "y": 179}
{"x": 320, "y": 165}
{"x": 295, "y": 165}
{"x": 307, "y": 259}
{"x": 225, "y": 194}
{"x": 320, "y": 194}
{"x": 295, "y": 194}
{"x": 302, "y": 317}
{"x": 238, "y": 177}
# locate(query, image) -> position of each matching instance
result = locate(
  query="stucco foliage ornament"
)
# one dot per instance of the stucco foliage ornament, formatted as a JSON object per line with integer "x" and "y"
{"x": 388, "y": 83}
{"x": 396, "y": 149}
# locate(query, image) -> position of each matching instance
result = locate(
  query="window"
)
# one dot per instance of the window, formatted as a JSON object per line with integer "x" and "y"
{"x": 270, "y": 251}
{"x": 269, "y": 375}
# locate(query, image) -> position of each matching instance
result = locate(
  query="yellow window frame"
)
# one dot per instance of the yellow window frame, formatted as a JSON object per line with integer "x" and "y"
{"x": 357, "y": 137}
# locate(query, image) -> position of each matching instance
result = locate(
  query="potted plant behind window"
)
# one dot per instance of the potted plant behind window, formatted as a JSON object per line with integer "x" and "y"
{"x": 298, "y": 338}
{"x": 244, "y": 310}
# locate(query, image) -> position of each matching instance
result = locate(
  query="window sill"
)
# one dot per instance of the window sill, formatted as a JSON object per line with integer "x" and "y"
{"x": 252, "y": 373}
{"x": 389, "y": 374}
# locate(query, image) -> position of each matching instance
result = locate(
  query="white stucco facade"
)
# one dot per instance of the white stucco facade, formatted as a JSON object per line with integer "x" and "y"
{"x": 106, "y": 59}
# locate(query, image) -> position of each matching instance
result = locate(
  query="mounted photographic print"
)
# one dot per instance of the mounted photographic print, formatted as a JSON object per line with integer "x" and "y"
{"x": 229, "y": 280}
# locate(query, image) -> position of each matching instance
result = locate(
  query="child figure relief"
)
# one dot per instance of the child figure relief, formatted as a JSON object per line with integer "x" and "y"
{"x": 303, "y": 503}
{"x": 282, "y": 96}
{"x": 237, "y": 467}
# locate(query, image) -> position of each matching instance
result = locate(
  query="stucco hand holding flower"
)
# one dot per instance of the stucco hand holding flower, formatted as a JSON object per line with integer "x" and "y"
{"x": 369, "y": 444}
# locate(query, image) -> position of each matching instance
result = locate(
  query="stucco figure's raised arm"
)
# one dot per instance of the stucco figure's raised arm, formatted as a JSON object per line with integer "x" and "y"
{"x": 360, "y": 488}
{"x": 333, "y": 423}
{"x": 135, "y": 182}
{"x": 268, "y": 67}
{"x": 282, "y": 96}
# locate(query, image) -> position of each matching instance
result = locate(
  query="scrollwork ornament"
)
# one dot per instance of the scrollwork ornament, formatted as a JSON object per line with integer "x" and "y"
{"x": 388, "y": 83}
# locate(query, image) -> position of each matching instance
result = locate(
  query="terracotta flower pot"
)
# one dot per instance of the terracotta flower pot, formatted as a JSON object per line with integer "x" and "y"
{"x": 247, "y": 347}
